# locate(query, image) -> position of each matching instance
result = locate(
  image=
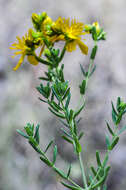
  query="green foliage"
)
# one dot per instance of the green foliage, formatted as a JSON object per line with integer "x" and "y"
{"x": 55, "y": 91}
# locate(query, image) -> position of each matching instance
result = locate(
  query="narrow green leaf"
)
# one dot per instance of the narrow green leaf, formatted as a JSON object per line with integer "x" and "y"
{"x": 42, "y": 100}
{"x": 95, "y": 173}
{"x": 107, "y": 141}
{"x": 77, "y": 145}
{"x": 46, "y": 161}
{"x": 54, "y": 92}
{"x": 22, "y": 134}
{"x": 118, "y": 104}
{"x": 57, "y": 114}
{"x": 67, "y": 139}
{"x": 33, "y": 141}
{"x": 71, "y": 114}
{"x": 36, "y": 148}
{"x": 98, "y": 159}
{"x": 105, "y": 160}
{"x": 70, "y": 186}
{"x": 28, "y": 129}
{"x": 113, "y": 117}
{"x": 77, "y": 112}
{"x": 93, "y": 70}
{"x": 43, "y": 78}
{"x": 94, "y": 51}
{"x": 53, "y": 106}
{"x": 61, "y": 173}
{"x": 114, "y": 142}
{"x": 119, "y": 118}
{"x": 36, "y": 136}
{"x": 78, "y": 121}
{"x": 113, "y": 108}
{"x": 69, "y": 170}
{"x": 66, "y": 133}
{"x": 80, "y": 135}
{"x": 66, "y": 94}
{"x": 54, "y": 154}
{"x": 49, "y": 145}
{"x": 122, "y": 130}
{"x": 65, "y": 124}
{"x": 83, "y": 87}
{"x": 101, "y": 181}
{"x": 56, "y": 105}
{"x": 82, "y": 70}
{"x": 110, "y": 130}
{"x": 67, "y": 101}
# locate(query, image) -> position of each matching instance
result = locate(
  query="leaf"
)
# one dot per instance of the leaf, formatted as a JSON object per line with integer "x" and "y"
{"x": 67, "y": 139}
{"x": 98, "y": 159}
{"x": 77, "y": 145}
{"x": 71, "y": 115}
{"x": 69, "y": 170}
{"x": 121, "y": 130}
{"x": 53, "y": 106}
{"x": 94, "y": 51}
{"x": 114, "y": 142}
{"x": 36, "y": 136}
{"x": 46, "y": 161}
{"x": 54, "y": 154}
{"x": 107, "y": 141}
{"x": 66, "y": 94}
{"x": 57, "y": 114}
{"x": 105, "y": 160}
{"x": 118, "y": 104}
{"x": 78, "y": 121}
{"x": 95, "y": 173}
{"x": 93, "y": 70}
{"x": 66, "y": 133}
{"x": 65, "y": 124}
{"x": 77, "y": 112}
{"x": 33, "y": 141}
{"x": 113, "y": 108}
{"x": 82, "y": 70}
{"x": 80, "y": 135}
{"x": 113, "y": 117}
{"x": 110, "y": 130}
{"x": 43, "y": 78}
{"x": 22, "y": 134}
{"x": 48, "y": 146}
{"x": 54, "y": 92}
{"x": 61, "y": 173}
{"x": 56, "y": 105}
{"x": 83, "y": 87}
{"x": 67, "y": 101}
{"x": 101, "y": 181}
{"x": 42, "y": 100}
{"x": 70, "y": 186}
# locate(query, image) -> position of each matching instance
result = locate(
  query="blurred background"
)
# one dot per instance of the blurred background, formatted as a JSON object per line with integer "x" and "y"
{"x": 20, "y": 167}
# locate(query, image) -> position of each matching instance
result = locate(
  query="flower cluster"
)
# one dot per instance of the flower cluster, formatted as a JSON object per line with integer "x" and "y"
{"x": 48, "y": 32}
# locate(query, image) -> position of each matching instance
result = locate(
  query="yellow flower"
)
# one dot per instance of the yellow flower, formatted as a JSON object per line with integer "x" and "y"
{"x": 24, "y": 46}
{"x": 71, "y": 33}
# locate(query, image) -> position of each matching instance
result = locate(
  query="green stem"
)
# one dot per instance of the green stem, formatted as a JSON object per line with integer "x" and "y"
{"x": 83, "y": 171}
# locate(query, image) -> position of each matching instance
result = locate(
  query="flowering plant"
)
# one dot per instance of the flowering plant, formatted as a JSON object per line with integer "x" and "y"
{"x": 57, "y": 93}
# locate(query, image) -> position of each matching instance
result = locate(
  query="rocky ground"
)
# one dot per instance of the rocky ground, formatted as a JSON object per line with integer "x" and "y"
{"x": 20, "y": 167}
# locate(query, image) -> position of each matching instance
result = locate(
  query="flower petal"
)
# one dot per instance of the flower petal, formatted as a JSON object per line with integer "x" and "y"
{"x": 19, "y": 62}
{"x": 71, "y": 46}
{"x": 82, "y": 47}
{"x": 32, "y": 60}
